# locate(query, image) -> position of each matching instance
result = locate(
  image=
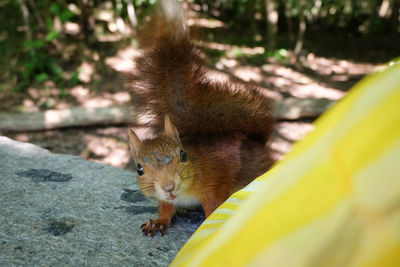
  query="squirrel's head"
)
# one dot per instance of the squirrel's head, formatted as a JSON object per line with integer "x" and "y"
{"x": 162, "y": 164}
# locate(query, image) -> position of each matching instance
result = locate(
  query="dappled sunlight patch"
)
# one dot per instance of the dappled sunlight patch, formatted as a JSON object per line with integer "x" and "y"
{"x": 217, "y": 46}
{"x": 298, "y": 84}
{"x": 119, "y": 28}
{"x": 206, "y": 23}
{"x": 106, "y": 15}
{"x": 107, "y": 145}
{"x": 315, "y": 90}
{"x": 293, "y": 131}
{"x": 274, "y": 95}
{"x": 96, "y": 56}
{"x": 119, "y": 157}
{"x": 283, "y": 78}
{"x": 226, "y": 63}
{"x": 248, "y": 73}
{"x": 286, "y": 133}
{"x": 62, "y": 104}
{"x": 29, "y": 106}
{"x": 123, "y": 61}
{"x": 193, "y": 8}
{"x": 121, "y": 97}
{"x": 112, "y": 27}
{"x": 238, "y": 51}
{"x": 87, "y": 99}
{"x": 72, "y": 28}
{"x": 106, "y": 150}
{"x": 107, "y": 38}
{"x": 287, "y": 74}
{"x": 55, "y": 117}
{"x": 234, "y": 51}
{"x": 104, "y": 100}
{"x": 279, "y": 147}
{"x": 74, "y": 9}
{"x": 279, "y": 82}
{"x": 332, "y": 66}
{"x": 339, "y": 78}
{"x": 80, "y": 92}
{"x": 331, "y": 79}
{"x": 97, "y": 102}
{"x": 86, "y": 71}
{"x": 35, "y": 93}
{"x": 44, "y": 98}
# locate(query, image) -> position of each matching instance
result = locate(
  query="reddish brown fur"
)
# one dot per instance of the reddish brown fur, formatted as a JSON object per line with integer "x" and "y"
{"x": 172, "y": 79}
{"x": 223, "y": 127}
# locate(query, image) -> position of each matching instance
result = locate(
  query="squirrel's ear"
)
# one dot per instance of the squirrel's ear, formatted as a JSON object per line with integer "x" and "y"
{"x": 134, "y": 142}
{"x": 170, "y": 129}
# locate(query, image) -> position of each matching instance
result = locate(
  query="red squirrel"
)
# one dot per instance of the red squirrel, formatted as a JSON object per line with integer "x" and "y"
{"x": 212, "y": 136}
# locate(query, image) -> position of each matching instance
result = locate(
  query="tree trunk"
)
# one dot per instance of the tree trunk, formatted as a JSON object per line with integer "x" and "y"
{"x": 302, "y": 30}
{"x": 288, "y": 19}
{"x": 250, "y": 10}
{"x": 132, "y": 14}
{"x": 25, "y": 15}
{"x": 86, "y": 21}
{"x": 382, "y": 8}
{"x": 394, "y": 18}
{"x": 271, "y": 23}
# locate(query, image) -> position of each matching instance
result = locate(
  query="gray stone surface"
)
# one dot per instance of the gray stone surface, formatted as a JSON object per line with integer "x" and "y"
{"x": 63, "y": 210}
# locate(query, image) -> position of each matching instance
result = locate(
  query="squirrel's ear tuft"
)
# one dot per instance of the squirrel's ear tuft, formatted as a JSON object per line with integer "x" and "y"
{"x": 134, "y": 142}
{"x": 170, "y": 129}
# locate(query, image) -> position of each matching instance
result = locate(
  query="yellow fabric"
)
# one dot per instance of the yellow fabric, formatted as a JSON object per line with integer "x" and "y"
{"x": 333, "y": 201}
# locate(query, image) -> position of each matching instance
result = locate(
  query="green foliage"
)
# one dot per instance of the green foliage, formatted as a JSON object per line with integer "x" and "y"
{"x": 213, "y": 55}
{"x": 51, "y": 36}
{"x": 37, "y": 48}
{"x": 62, "y": 12}
{"x": 139, "y": 3}
{"x": 237, "y": 52}
{"x": 39, "y": 66}
{"x": 279, "y": 54}
{"x": 32, "y": 37}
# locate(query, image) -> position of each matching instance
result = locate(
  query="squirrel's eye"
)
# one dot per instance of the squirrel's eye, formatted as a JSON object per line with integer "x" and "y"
{"x": 183, "y": 156}
{"x": 139, "y": 169}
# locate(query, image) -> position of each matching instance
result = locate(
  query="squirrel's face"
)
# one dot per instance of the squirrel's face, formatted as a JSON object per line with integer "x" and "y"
{"x": 163, "y": 168}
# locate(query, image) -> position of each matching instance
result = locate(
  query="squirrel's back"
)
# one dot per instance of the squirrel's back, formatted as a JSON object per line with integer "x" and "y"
{"x": 171, "y": 79}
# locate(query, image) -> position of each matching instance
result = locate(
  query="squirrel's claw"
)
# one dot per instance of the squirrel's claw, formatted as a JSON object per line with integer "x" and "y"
{"x": 151, "y": 227}
{"x": 153, "y": 231}
{"x": 147, "y": 227}
{"x": 162, "y": 230}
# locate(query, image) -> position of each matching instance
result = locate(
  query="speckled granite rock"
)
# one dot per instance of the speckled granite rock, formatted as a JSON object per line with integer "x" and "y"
{"x": 63, "y": 210}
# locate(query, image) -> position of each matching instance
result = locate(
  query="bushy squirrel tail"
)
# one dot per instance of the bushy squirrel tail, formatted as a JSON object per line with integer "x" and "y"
{"x": 171, "y": 79}
{"x": 168, "y": 65}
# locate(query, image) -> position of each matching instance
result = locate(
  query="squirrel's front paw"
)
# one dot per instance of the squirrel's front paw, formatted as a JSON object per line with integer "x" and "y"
{"x": 151, "y": 227}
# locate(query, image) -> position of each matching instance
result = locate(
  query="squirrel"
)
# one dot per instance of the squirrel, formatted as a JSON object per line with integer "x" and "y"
{"x": 211, "y": 136}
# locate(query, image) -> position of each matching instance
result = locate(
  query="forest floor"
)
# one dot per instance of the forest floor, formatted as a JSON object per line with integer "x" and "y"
{"x": 328, "y": 68}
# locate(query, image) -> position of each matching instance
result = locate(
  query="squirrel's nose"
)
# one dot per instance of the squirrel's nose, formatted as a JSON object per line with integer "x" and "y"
{"x": 169, "y": 187}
